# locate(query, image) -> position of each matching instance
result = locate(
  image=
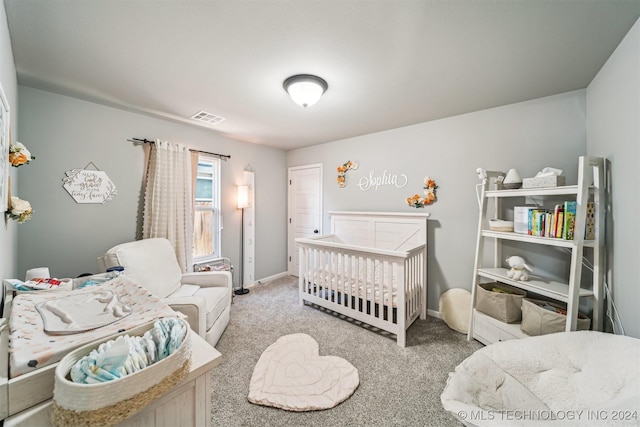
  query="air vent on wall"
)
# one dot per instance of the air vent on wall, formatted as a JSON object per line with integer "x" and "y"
{"x": 203, "y": 116}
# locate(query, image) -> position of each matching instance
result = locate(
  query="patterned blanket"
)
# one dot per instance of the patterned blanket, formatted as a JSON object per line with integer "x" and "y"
{"x": 31, "y": 347}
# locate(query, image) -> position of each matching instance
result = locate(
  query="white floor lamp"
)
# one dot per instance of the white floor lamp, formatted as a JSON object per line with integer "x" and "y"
{"x": 243, "y": 202}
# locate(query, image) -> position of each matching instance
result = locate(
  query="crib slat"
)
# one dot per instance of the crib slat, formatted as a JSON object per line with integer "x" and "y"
{"x": 395, "y": 286}
{"x": 301, "y": 277}
{"x": 344, "y": 276}
{"x": 410, "y": 286}
{"x": 362, "y": 306}
{"x": 384, "y": 290}
{"x": 380, "y": 288}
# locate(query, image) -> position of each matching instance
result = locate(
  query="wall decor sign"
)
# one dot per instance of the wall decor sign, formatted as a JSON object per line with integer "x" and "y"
{"x": 374, "y": 181}
{"x": 89, "y": 186}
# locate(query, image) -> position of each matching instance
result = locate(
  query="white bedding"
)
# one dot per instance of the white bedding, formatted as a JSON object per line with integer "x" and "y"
{"x": 371, "y": 284}
{"x": 30, "y": 347}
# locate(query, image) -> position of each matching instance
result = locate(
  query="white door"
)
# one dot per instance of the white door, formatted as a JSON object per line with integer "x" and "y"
{"x": 305, "y": 208}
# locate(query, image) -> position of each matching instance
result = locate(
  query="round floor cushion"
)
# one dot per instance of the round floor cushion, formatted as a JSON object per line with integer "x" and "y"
{"x": 291, "y": 375}
{"x": 455, "y": 306}
{"x": 560, "y": 379}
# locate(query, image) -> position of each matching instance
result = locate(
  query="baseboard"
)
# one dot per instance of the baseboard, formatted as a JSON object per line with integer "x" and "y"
{"x": 434, "y": 313}
{"x": 267, "y": 279}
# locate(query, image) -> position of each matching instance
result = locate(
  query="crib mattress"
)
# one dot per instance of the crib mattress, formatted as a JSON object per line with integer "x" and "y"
{"x": 31, "y": 348}
{"x": 355, "y": 286}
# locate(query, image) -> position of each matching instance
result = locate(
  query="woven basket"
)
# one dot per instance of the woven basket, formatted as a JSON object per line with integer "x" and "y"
{"x": 502, "y": 306}
{"x": 537, "y": 320}
{"x": 111, "y": 402}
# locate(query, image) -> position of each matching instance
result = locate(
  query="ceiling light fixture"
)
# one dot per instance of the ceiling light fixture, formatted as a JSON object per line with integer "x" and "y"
{"x": 305, "y": 89}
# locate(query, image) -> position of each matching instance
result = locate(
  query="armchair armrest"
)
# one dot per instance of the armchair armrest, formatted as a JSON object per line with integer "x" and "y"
{"x": 194, "y": 307}
{"x": 209, "y": 279}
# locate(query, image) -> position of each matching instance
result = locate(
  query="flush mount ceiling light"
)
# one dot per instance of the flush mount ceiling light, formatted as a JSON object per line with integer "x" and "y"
{"x": 305, "y": 89}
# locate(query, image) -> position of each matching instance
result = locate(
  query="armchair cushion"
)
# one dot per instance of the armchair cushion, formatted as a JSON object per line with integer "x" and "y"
{"x": 150, "y": 262}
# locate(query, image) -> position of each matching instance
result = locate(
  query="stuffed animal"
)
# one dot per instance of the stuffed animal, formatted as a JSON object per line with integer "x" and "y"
{"x": 518, "y": 268}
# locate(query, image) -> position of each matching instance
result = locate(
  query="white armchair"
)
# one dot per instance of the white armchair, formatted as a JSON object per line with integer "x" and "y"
{"x": 204, "y": 297}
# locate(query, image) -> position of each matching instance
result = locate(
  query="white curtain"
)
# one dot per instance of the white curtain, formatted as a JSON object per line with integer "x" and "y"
{"x": 168, "y": 199}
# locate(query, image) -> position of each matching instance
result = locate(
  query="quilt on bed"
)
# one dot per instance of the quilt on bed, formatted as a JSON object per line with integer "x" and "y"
{"x": 31, "y": 347}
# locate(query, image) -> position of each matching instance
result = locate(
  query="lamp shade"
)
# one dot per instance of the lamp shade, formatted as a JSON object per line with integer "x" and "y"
{"x": 243, "y": 196}
{"x": 305, "y": 89}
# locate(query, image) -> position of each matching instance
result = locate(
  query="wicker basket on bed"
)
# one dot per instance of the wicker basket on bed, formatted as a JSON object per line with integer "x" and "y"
{"x": 111, "y": 402}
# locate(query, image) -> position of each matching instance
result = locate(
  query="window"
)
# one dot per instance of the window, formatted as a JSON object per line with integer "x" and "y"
{"x": 206, "y": 221}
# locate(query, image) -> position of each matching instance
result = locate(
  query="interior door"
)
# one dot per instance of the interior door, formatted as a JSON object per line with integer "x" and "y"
{"x": 305, "y": 208}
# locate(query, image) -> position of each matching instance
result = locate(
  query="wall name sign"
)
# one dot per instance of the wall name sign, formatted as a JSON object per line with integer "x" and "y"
{"x": 89, "y": 186}
{"x": 374, "y": 181}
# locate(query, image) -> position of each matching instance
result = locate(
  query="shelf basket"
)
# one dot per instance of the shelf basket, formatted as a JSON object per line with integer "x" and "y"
{"x": 111, "y": 402}
{"x": 537, "y": 320}
{"x": 504, "y": 306}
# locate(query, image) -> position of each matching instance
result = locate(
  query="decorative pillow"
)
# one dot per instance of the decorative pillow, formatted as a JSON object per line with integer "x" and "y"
{"x": 455, "y": 306}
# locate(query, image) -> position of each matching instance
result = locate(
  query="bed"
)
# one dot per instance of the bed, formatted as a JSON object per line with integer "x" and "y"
{"x": 371, "y": 268}
{"x": 29, "y": 355}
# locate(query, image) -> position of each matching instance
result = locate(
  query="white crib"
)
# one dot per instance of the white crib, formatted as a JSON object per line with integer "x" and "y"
{"x": 371, "y": 268}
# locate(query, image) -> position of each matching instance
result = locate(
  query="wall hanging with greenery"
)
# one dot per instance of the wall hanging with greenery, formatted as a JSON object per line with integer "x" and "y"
{"x": 429, "y": 194}
{"x": 19, "y": 155}
{"x": 342, "y": 170}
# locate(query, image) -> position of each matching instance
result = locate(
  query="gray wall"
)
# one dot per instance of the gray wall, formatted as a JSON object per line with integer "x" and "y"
{"x": 66, "y": 133}
{"x": 527, "y": 136}
{"x": 613, "y": 101}
{"x": 8, "y": 229}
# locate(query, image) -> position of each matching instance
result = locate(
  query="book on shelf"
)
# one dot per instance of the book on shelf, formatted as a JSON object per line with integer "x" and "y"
{"x": 548, "y": 220}
{"x": 538, "y": 222}
{"x": 590, "y": 230}
{"x": 556, "y": 217}
{"x": 570, "y": 221}
{"x": 558, "y": 223}
{"x": 570, "y": 208}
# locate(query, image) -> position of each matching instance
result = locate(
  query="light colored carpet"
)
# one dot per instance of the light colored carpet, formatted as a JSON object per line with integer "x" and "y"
{"x": 398, "y": 386}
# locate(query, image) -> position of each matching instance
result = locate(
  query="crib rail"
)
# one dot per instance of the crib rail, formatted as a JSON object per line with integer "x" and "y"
{"x": 383, "y": 288}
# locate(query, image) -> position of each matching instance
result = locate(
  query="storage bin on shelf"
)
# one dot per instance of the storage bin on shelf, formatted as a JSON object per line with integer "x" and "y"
{"x": 538, "y": 320}
{"x": 111, "y": 402}
{"x": 500, "y": 301}
{"x": 544, "y": 181}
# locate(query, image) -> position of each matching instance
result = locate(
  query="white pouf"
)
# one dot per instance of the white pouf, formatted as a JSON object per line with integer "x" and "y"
{"x": 567, "y": 378}
{"x": 455, "y": 306}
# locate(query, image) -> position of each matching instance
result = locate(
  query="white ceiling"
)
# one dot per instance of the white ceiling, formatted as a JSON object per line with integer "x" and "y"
{"x": 388, "y": 63}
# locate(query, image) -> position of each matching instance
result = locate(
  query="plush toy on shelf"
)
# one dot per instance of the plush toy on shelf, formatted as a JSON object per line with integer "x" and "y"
{"x": 518, "y": 268}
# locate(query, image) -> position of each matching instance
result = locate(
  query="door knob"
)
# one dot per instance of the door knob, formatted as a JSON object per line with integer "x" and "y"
{"x": 316, "y": 231}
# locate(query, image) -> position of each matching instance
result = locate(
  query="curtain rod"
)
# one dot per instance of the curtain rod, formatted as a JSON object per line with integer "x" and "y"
{"x": 148, "y": 141}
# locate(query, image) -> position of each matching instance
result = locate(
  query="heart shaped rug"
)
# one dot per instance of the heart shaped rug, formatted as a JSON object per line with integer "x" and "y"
{"x": 291, "y": 375}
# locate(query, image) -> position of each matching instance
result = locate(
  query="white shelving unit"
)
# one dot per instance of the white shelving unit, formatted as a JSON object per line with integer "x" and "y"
{"x": 590, "y": 187}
